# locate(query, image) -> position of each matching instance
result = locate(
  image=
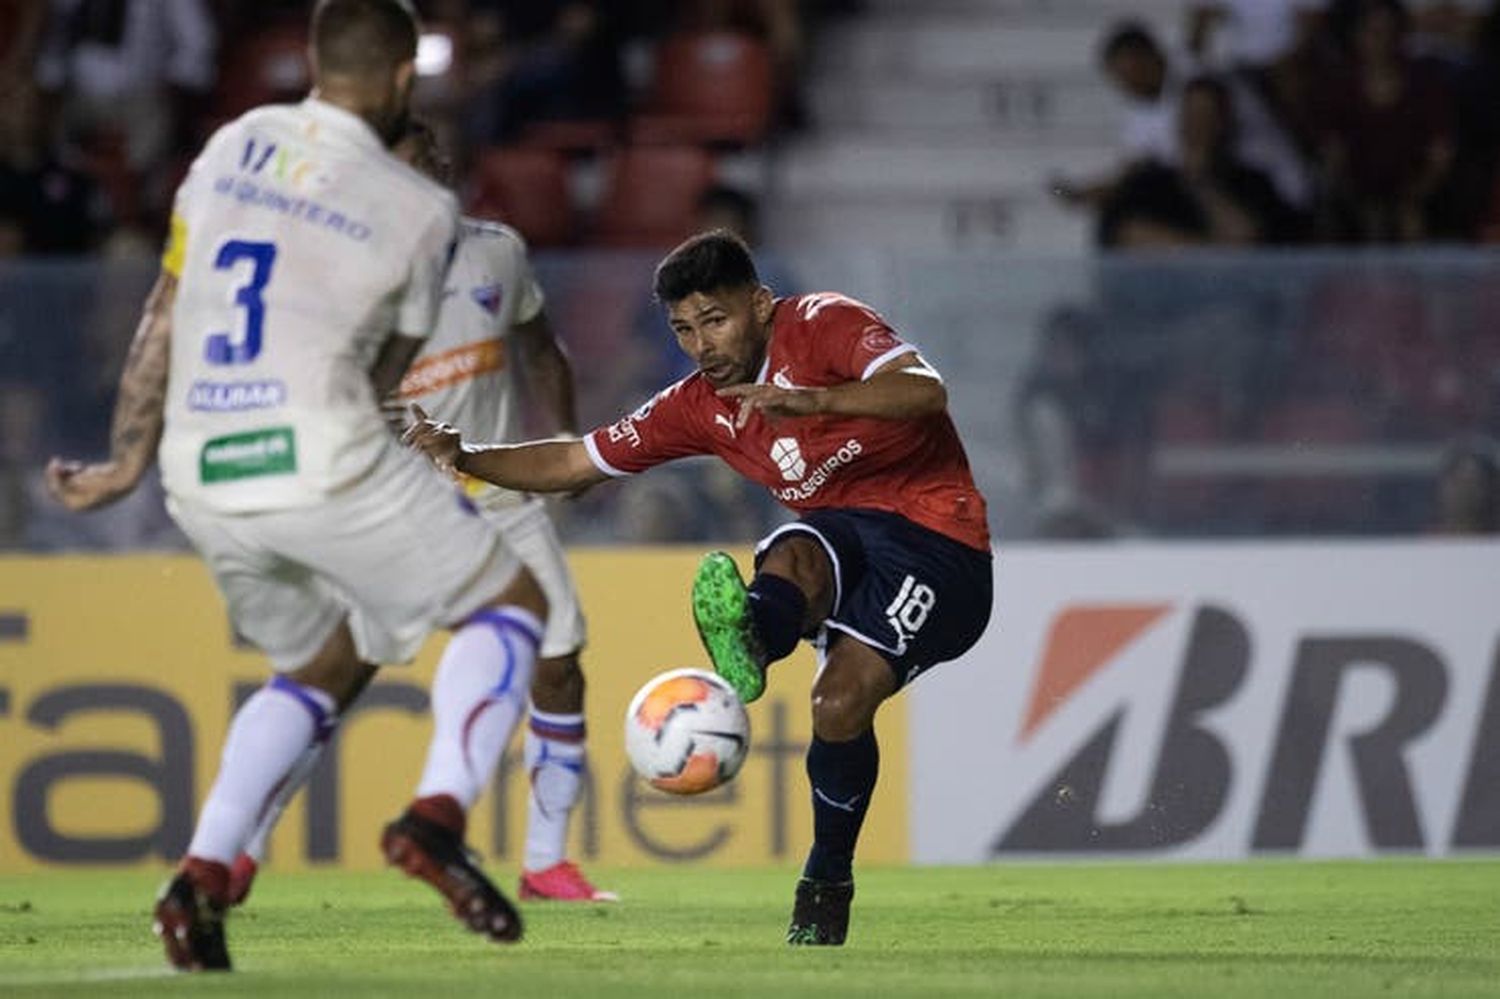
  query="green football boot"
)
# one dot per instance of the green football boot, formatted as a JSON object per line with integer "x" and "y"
{"x": 721, "y": 609}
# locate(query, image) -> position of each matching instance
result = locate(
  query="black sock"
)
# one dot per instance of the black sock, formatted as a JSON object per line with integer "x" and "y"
{"x": 777, "y": 607}
{"x": 843, "y": 778}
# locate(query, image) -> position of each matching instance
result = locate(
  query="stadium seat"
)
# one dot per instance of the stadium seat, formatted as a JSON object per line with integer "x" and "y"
{"x": 1188, "y": 503}
{"x": 1324, "y": 420}
{"x": 266, "y": 68}
{"x": 524, "y": 188}
{"x": 651, "y": 195}
{"x": 710, "y": 88}
{"x": 1303, "y": 501}
{"x": 1185, "y": 417}
{"x": 574, "y": 137}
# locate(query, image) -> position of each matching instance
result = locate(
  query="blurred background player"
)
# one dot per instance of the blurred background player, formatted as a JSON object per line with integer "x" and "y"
{"x": 490, "y": 321}
{"x": 305, "y": 268}
{"x": 888, "y": 569}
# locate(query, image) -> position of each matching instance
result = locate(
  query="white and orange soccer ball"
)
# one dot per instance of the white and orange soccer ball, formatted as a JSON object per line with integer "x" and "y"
{"x": 686, "y": 731}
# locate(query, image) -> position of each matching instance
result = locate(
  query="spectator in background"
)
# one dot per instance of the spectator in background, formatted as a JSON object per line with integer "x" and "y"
{"x": 1235, "y": 33}
{"x": 1441, "y": 29}
{"x": 1388, "y": 146}
{"x": 1210, "y": 197}
{"x": 540, "y": 61}
{"x": 1151, "y": 83}
{"x": 139, "y": 69}
{"x": 1274, "y": 55}
{"x": 1142, "y": 73}
{"x": 1468, "y": 488}
{"x": 46, "y": 207}
{"x": 1474, "y": 207}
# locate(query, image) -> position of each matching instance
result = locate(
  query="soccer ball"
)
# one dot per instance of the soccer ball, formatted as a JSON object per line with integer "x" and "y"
{"x": 686, "y": 731}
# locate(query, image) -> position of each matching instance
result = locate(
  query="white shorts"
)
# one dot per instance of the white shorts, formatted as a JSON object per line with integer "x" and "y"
{"x": 528, "y": 531}
{"x": 400, "y": 554}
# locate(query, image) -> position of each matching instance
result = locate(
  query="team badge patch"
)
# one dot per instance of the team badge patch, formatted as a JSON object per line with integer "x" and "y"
{"x": 488, "y": 297}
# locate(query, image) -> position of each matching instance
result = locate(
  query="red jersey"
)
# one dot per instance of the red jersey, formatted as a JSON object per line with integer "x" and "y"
{"x": 915, "y": 468}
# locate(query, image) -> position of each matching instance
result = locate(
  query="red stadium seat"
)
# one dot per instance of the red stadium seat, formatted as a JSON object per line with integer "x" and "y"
{"x": 581, "y": 136}
{"x": 267, "y": 68}
{"x": 651, "y": 196}
{"x": 1187, "y": 418}
{"x": 1312, "y": 501}
{"x": 527, "y": 189}
{"x": 711, "y": 87}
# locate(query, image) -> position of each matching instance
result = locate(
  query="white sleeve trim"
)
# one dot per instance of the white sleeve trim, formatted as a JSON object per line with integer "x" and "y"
{"x": 598, "y": 459}
{"x": 896, "y": 351}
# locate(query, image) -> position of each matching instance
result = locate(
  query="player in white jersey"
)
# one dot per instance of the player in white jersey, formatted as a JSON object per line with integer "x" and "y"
{"x": 492, "y": 321}
{"x": 305, "y": 269}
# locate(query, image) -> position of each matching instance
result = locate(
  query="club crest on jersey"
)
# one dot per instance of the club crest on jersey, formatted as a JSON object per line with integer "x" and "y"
{"x": 488, "y": 297}
{"x": 787, "y": 454}
{"x": 283, "y": 163}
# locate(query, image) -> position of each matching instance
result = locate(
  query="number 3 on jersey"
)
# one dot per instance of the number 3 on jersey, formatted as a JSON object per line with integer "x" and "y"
{"x": 223, "y": 348}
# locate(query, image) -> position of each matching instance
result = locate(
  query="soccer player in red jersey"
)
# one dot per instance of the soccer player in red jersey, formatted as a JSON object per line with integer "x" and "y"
{"x": 887, "y": 569}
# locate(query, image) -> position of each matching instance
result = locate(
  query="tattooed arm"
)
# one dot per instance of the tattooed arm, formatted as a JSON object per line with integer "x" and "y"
{"x": 136, "y": 429}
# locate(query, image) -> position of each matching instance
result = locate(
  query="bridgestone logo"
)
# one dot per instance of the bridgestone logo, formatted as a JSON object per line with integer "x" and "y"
{"x": 243, "y": 456}
{"x": 820, "y": 475}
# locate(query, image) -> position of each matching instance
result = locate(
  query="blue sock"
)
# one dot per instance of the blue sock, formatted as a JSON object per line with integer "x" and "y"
{"x": 843, "y": 778}
{"x": 777, "y": 607}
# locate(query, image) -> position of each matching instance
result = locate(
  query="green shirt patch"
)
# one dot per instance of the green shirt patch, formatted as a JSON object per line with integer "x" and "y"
{"x": 244, "y": 456}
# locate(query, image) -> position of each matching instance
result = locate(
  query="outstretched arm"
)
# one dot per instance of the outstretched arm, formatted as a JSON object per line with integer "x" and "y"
{"x": 136, "y": 428}
{"x": 555, "y": 466}
{"x": 903, "y": 388}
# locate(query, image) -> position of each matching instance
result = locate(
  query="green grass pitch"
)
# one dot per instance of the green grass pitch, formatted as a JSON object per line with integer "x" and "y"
{"x": 1280, "y": 929}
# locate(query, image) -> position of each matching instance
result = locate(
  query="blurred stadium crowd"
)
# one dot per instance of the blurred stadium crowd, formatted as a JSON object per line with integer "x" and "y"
{"x": 1137, "y": 391}
{"x": 1306, "y": 121}
{"x": 107, "y": 101}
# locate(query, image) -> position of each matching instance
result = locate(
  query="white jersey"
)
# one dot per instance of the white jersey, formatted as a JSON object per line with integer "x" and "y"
{"x": 300, "y": 244}
{"x": 465, "y": 373}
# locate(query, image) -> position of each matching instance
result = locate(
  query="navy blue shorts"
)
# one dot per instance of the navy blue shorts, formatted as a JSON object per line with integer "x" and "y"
{"x": 917, "y": 597}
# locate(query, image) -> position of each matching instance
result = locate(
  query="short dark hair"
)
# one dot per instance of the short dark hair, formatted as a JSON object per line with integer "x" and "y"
{"x": 363, "y": 37}
{"x": 1127, "y": 35}
{"x": 705, "y": 263}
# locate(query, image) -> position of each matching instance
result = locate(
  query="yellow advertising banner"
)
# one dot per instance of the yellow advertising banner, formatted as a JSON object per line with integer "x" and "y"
{"x": 119, "y": 674}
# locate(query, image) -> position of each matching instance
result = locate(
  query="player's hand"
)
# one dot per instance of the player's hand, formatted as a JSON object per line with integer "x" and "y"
{"x": 773, "y": 401}
{"x": 80, "y": 486}
{"x": 439, "y": 441}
